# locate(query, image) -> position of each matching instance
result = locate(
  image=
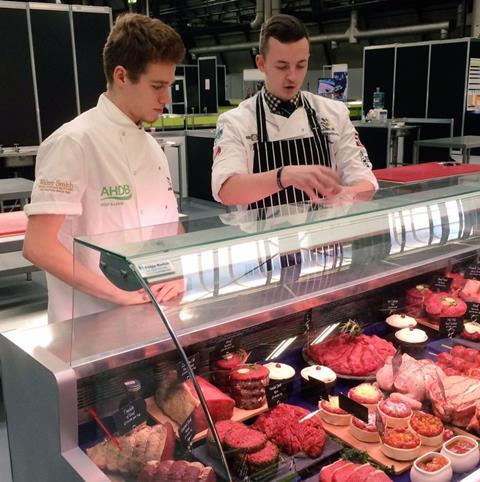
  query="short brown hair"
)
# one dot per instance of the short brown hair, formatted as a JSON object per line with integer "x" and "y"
{"x": 284, "y": 28}
{"x": 136, "y": 41}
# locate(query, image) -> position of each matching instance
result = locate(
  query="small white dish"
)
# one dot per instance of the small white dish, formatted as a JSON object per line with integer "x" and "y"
{"x": 444, "y": 474}
{"x": 462, "y": 462}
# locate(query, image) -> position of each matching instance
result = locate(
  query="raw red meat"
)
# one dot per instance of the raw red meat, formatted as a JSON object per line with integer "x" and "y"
{"x": 345, "y": 355}
{"x": 378, "y": 476}
{"x": 179, "y": 400}
{"x": 343, "y": 473}
{"x": 444, "y": 305}
{"x": 471, "y": 291}
{"x": 326, "y": 472}
{"x": 176, "y": 471}
{"x": 245, "y": 440}
{"x": 462, "y": 394}
{"x": 360, "y": 474}
{"x": 458, "y": 281}
{"x": 283, "y": 427}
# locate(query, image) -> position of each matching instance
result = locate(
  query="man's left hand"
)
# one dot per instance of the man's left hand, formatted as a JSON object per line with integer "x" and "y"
{"x": 169, "y": 290}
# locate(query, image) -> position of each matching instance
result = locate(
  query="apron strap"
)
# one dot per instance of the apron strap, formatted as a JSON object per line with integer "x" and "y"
{"x": 261, "y": 119}
{"x": 312, "y": 117}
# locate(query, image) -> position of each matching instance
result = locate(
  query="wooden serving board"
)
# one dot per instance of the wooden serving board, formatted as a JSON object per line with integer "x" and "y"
{"x": 239, "y": 415}
{"x": 428, "y": 324}
{"x": 373, "y": 449}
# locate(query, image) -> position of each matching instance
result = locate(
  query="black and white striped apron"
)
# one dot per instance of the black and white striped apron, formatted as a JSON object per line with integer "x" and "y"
{"x": 268, "y": 156}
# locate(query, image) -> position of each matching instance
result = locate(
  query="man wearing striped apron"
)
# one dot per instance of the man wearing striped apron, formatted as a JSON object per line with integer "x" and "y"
{"x": 283, "y": 145}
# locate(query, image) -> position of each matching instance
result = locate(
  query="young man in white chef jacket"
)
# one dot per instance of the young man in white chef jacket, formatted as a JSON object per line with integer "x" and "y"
{"x": 284, "y": 145}
{"x": 102, "y": 172}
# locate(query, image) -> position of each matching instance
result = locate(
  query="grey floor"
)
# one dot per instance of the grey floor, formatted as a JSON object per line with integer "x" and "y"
{"x": 23, "y": 304}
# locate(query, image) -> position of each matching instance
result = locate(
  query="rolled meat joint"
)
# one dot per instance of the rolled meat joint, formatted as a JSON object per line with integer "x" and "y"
{"x": 460, "y": 403}
{"x": 179, "y": 400}
{"x": 178, "y": 470}
{"x": 139, "y": 446}
{"x": 412, "y": 379}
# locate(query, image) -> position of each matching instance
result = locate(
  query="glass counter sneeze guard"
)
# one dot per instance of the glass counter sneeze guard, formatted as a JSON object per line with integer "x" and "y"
{"x": 240, "y": 257}
{"x": 241, "y": 271}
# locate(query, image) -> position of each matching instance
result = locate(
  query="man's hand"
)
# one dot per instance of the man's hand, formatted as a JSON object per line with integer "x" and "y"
{"x": 313, "y": 180}
{"x": 162, "y": 291}
{"x": 169, "y": 290}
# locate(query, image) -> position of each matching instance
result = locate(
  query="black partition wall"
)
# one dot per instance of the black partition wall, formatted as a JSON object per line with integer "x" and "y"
{"x": 430, "y": 80}
{"x": 91, "y": 29}
{"x": 378, "y": 71}
{"x": 52, "y": 48}
{"x": 17, "y": 92}
{"x": 207, "y": 82}
{"x": 47, "y": 78}
{"x": 446, "y": 89}
{"x": 222, "y": 84}
{"x": 411, "y": 80}
{"x": 191, "y": 85}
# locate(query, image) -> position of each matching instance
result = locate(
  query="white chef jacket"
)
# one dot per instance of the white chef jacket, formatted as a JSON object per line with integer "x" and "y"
{"x": 105, "y": 174}
{"x": 237, "y": 133}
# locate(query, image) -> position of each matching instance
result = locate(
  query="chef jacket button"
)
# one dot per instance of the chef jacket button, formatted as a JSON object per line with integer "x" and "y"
{"x": 135, "y": 173}
{"x": 141, "y": 211}
{"x": 166, "y": 207}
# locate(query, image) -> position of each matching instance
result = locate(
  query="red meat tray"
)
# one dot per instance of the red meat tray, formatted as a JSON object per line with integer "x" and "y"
{"x": 13, "y": 223}
{"x": 423, "y": 172}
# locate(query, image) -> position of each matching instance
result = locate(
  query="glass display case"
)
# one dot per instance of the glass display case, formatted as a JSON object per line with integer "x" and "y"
{"x": 214, "y": 383}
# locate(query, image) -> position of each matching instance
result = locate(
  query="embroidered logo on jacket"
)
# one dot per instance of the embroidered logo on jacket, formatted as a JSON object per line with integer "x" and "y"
{"x": 326, "y": 126}
{"x": 57, "y": 185}
{"x": 121, "y": 192}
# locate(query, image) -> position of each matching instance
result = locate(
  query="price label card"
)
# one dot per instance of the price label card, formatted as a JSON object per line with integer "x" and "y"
{"x": 229, "y": 345}
{"x": 450, "y": 326}
{"x": 473, "y": 311}
{"x": 353, "y": 407}
{"x": 187, "y": 433}
{"x": 276, "y": 393}
{"x": 390, "y": 306}
{"x": 441, "y": 283}
{"x": 473, "y": 271}
{"x": 307, "y": 321}
{"x": 182, "y": 368}
{"x": 130, "y": 416}
{"x": 320, "y": 388}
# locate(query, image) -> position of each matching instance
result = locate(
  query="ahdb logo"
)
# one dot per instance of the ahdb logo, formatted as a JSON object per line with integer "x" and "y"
{"x": 119, "y": 193}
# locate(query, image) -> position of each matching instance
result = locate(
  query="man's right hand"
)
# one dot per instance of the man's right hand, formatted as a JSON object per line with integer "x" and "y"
{"x": 130, "y": 297}
{"x": 313, "y": 180}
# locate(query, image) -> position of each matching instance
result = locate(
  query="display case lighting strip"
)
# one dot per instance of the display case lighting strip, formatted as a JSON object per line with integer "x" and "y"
{"x": 281, "y": 348}
{"x": 325, "y": 333}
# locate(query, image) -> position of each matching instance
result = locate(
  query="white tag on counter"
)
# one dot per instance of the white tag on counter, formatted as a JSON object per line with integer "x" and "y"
{"x": 151, "y": 269}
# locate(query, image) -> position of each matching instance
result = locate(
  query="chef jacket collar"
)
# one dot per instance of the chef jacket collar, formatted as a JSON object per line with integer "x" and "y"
{"x": 115, "y": 115}
{"x": 274, "y": 103}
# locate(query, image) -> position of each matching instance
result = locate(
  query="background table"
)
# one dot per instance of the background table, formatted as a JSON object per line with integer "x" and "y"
{"x": 15, "y": 188}
{"x": 464, "y": 143}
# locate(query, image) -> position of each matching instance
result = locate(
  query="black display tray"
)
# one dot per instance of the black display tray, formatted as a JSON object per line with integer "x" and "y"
{"x": 302, "y": 463}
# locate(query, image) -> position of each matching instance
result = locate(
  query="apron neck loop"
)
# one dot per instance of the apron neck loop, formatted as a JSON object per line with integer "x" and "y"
{"x": 261, "y": 119}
